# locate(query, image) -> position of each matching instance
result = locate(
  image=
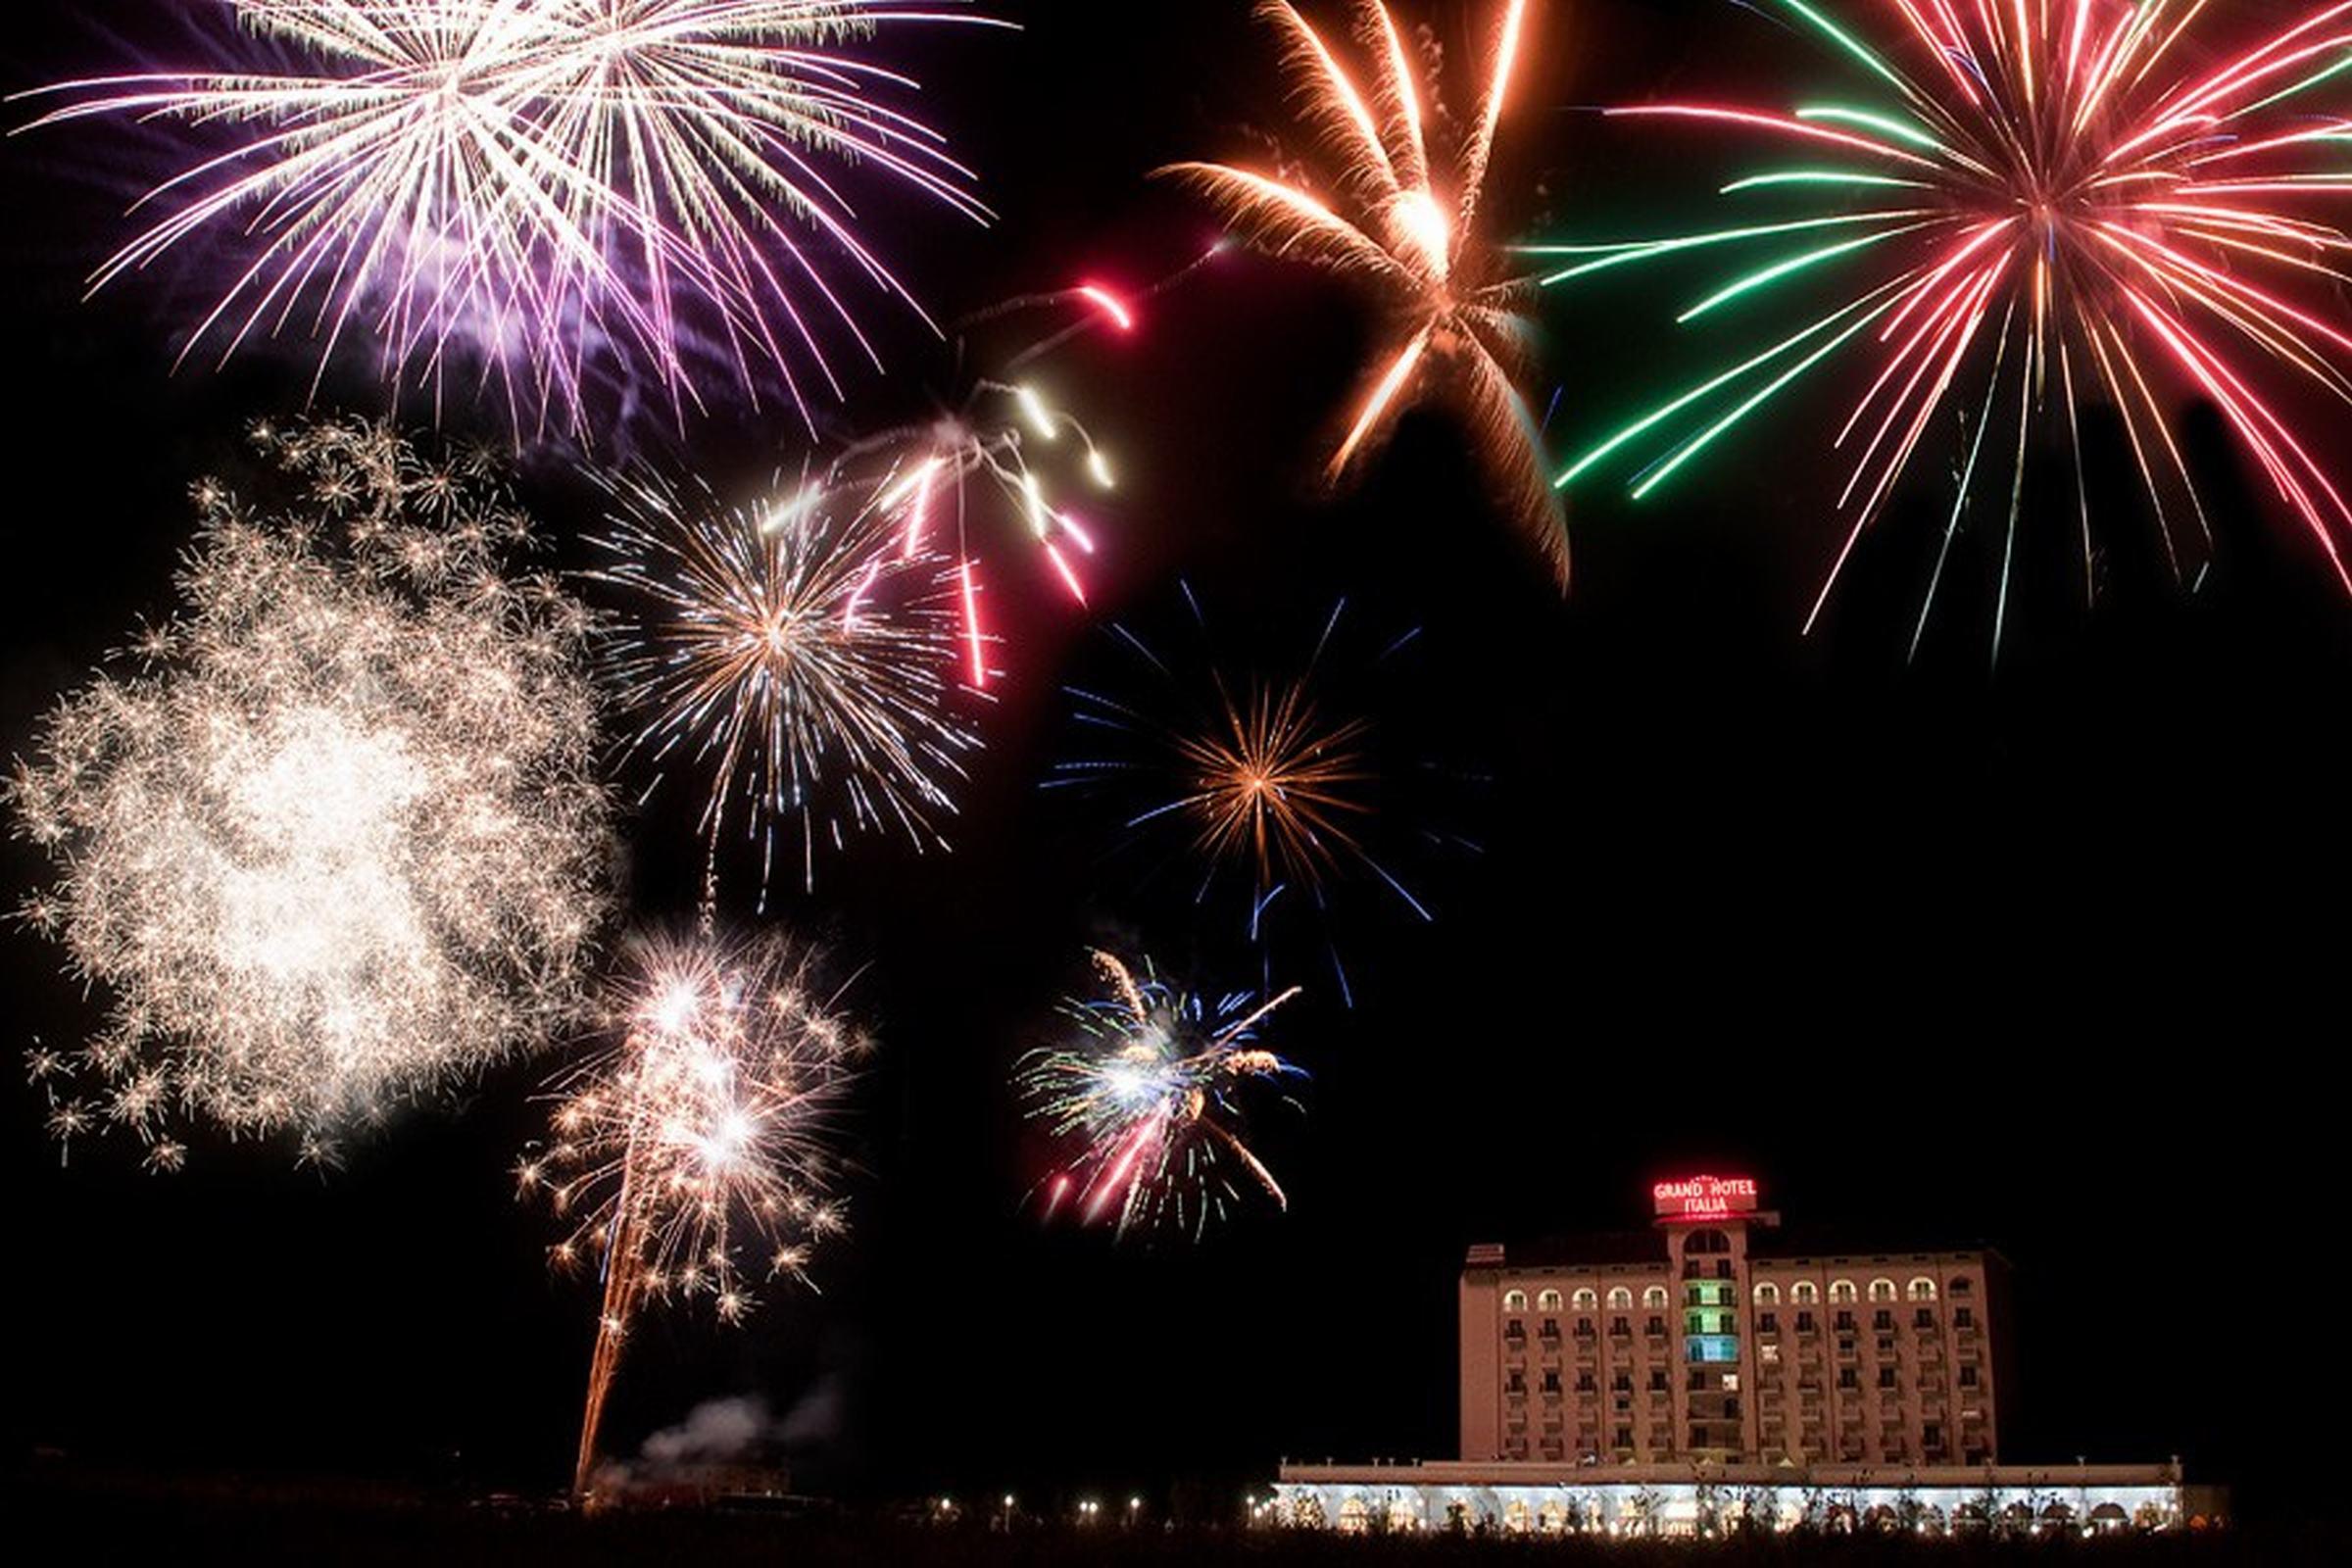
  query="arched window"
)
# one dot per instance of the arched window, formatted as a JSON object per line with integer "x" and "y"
{"x": 1355, "y": 1517}
{"x": 1767, "y": 1294}
{"x": 1923, "y": 1288}
{"x": 1962, "y": 1285}
{"x": 1804, "y": 1293}
{"x": 1549, "y": 1301}
{"x": 1518, "y": 1518}
{"x": 1842, "y": 1289}
{"x": 1707, "y": 1242}
{"x": 1514, "y": 1300}
{"x": 1586, "y": 1298}
{"x": 1654, "y": 1296}
{"x": 1882, "y": 1290}
{"x": 1620, "y": 1297}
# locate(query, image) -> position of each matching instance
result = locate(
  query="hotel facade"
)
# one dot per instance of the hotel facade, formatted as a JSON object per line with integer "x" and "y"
{"x": 1716, "y": 1361}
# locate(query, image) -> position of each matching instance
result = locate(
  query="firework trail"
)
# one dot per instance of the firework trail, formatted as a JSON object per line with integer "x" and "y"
{"x": 798, "y": 655}
{"x": 1267, "y": 788}
{"x": 1149, "y": 1095}
{"x": 338, "y": 838}
{"x": 1004, "y": 447}
{"x": 690, "y": 1159}
{"x": 537, "y": 190}
{"x": 2041, "y": 203}
{"x": 1383, "y": 215}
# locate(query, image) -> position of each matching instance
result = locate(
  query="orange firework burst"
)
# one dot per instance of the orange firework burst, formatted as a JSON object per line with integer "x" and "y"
{"x": 1276, "y": 783}
{"x": 1391, "y": 222}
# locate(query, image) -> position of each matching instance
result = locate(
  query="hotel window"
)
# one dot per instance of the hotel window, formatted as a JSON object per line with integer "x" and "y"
{"x": 1551, "y": 1329}
{"x": 1882, "y": 1290}
{"x": 1923, "y": 1318}
{"x": 1963, "y": 1318}
{"x": 1804, "y": 1291}
{"x": 1656, "y": 1328}
{"x": 1514, "y": 1330}
{"x": 1584, "y": 1299}
{"x": 1922, "y": 1289}
{"x": 1707, "y": 1242}
{"x": 1842, "y": 1289}
{"x": 1622, "y": 1382}
{"x": 1625, "y": 1436}
{"x": 1547, "y": 1301}
{"x": 1657, "y": 1381}
{"x": 1654, "y": 1296}
{"x": 1846, "y": 1322}
{"x": 1886, "y": 1377}
{"x": 1968, "y": 1377}
{"x": 1771, "y": 1354}
{"x": 1768, "y": 1322}
{"x": 1515, "y": 1382}
{"x": 1552, "y": 1382}
{"x": 1514, "y": 1300}
{"x": 1804, "y": 1322}
{"x": 1881, "y": 1320}
{"x": 1584, "y": 1383}
{"x": 1847, "y": 1378}
{"x": 1620, "y": 1298}
{"x": 1931, "y": 1436}
{"x": 1767, "y": 1294}
{"x": 1963, "y": 1286}
{"x": 1584, "y": 1328}
{"x": 1620, "y": 1328}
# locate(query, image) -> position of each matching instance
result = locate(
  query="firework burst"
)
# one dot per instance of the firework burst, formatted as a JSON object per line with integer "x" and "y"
{"x": 1272, "y": 795}
{"x": 336, "y": 839}
{"x": 690, "y": 1160}
{"x": 1150, "y": 1098}
{"x": 798, "y": 656}
{"x": 1386, "y": 218}
{"x": 544, "y": 189}
{"x": 2046, "y": 203}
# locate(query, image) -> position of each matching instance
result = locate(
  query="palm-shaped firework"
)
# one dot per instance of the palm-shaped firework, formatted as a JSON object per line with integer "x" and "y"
{"x": 1386, "y": 217}
{"x": 543, "y": 190}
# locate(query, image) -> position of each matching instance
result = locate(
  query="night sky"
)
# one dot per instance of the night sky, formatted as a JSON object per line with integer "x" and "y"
{"x": 2046, "y": 954}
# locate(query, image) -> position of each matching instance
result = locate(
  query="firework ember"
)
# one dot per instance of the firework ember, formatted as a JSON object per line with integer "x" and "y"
{"x": 2039, "y": 205}
{"x": 690, "y": 1159}
{"x": 1149, "y": 1096}
{"x": 335, "y": 838}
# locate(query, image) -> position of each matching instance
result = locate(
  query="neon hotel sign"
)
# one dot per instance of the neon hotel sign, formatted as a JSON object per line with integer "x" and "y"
{"x": 1705, "y": 1196}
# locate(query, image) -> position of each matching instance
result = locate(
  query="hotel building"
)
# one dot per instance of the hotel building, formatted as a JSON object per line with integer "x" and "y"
{"x": 1711, "y": 1336}
{"x": 1717, "y": 1367}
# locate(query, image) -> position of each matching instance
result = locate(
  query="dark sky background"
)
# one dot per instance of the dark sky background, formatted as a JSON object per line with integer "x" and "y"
{"x": 2046, "y": 953}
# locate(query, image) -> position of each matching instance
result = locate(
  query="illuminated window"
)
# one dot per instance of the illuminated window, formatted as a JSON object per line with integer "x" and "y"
{"x": 1804, "y": 1291}
{"x": 1882, "y": 1290}
{"x": 1655, "y": 1295}
{"x": 1584, "y": 1299}
{"x": 1549, "y": 1301}
{"x": 1707, "y": 1347}
{"x": 1767, "y": 1294}
{"x": 1922, "y": 1289}
{"x": 1842, "y": 1289}
{"x": 1771, "y": 1354}
{"x": 1620, "y": 1297}
{"x": 1514, "y": 1300}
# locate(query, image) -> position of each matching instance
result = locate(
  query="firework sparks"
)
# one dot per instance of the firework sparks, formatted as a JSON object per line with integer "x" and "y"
{"x": 549, "y": 188}
{"x": 1150, "y": 1098}
{"x": 1257, "y": 780}
{"x": 2048, "y": 203}
{"x": 796, "y": 653}
{"x": 691, "y": 1160}
{"x": 1385, "y": 218}
{"x": 1008, "y": 447}
{"x": 338, "y": 840}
